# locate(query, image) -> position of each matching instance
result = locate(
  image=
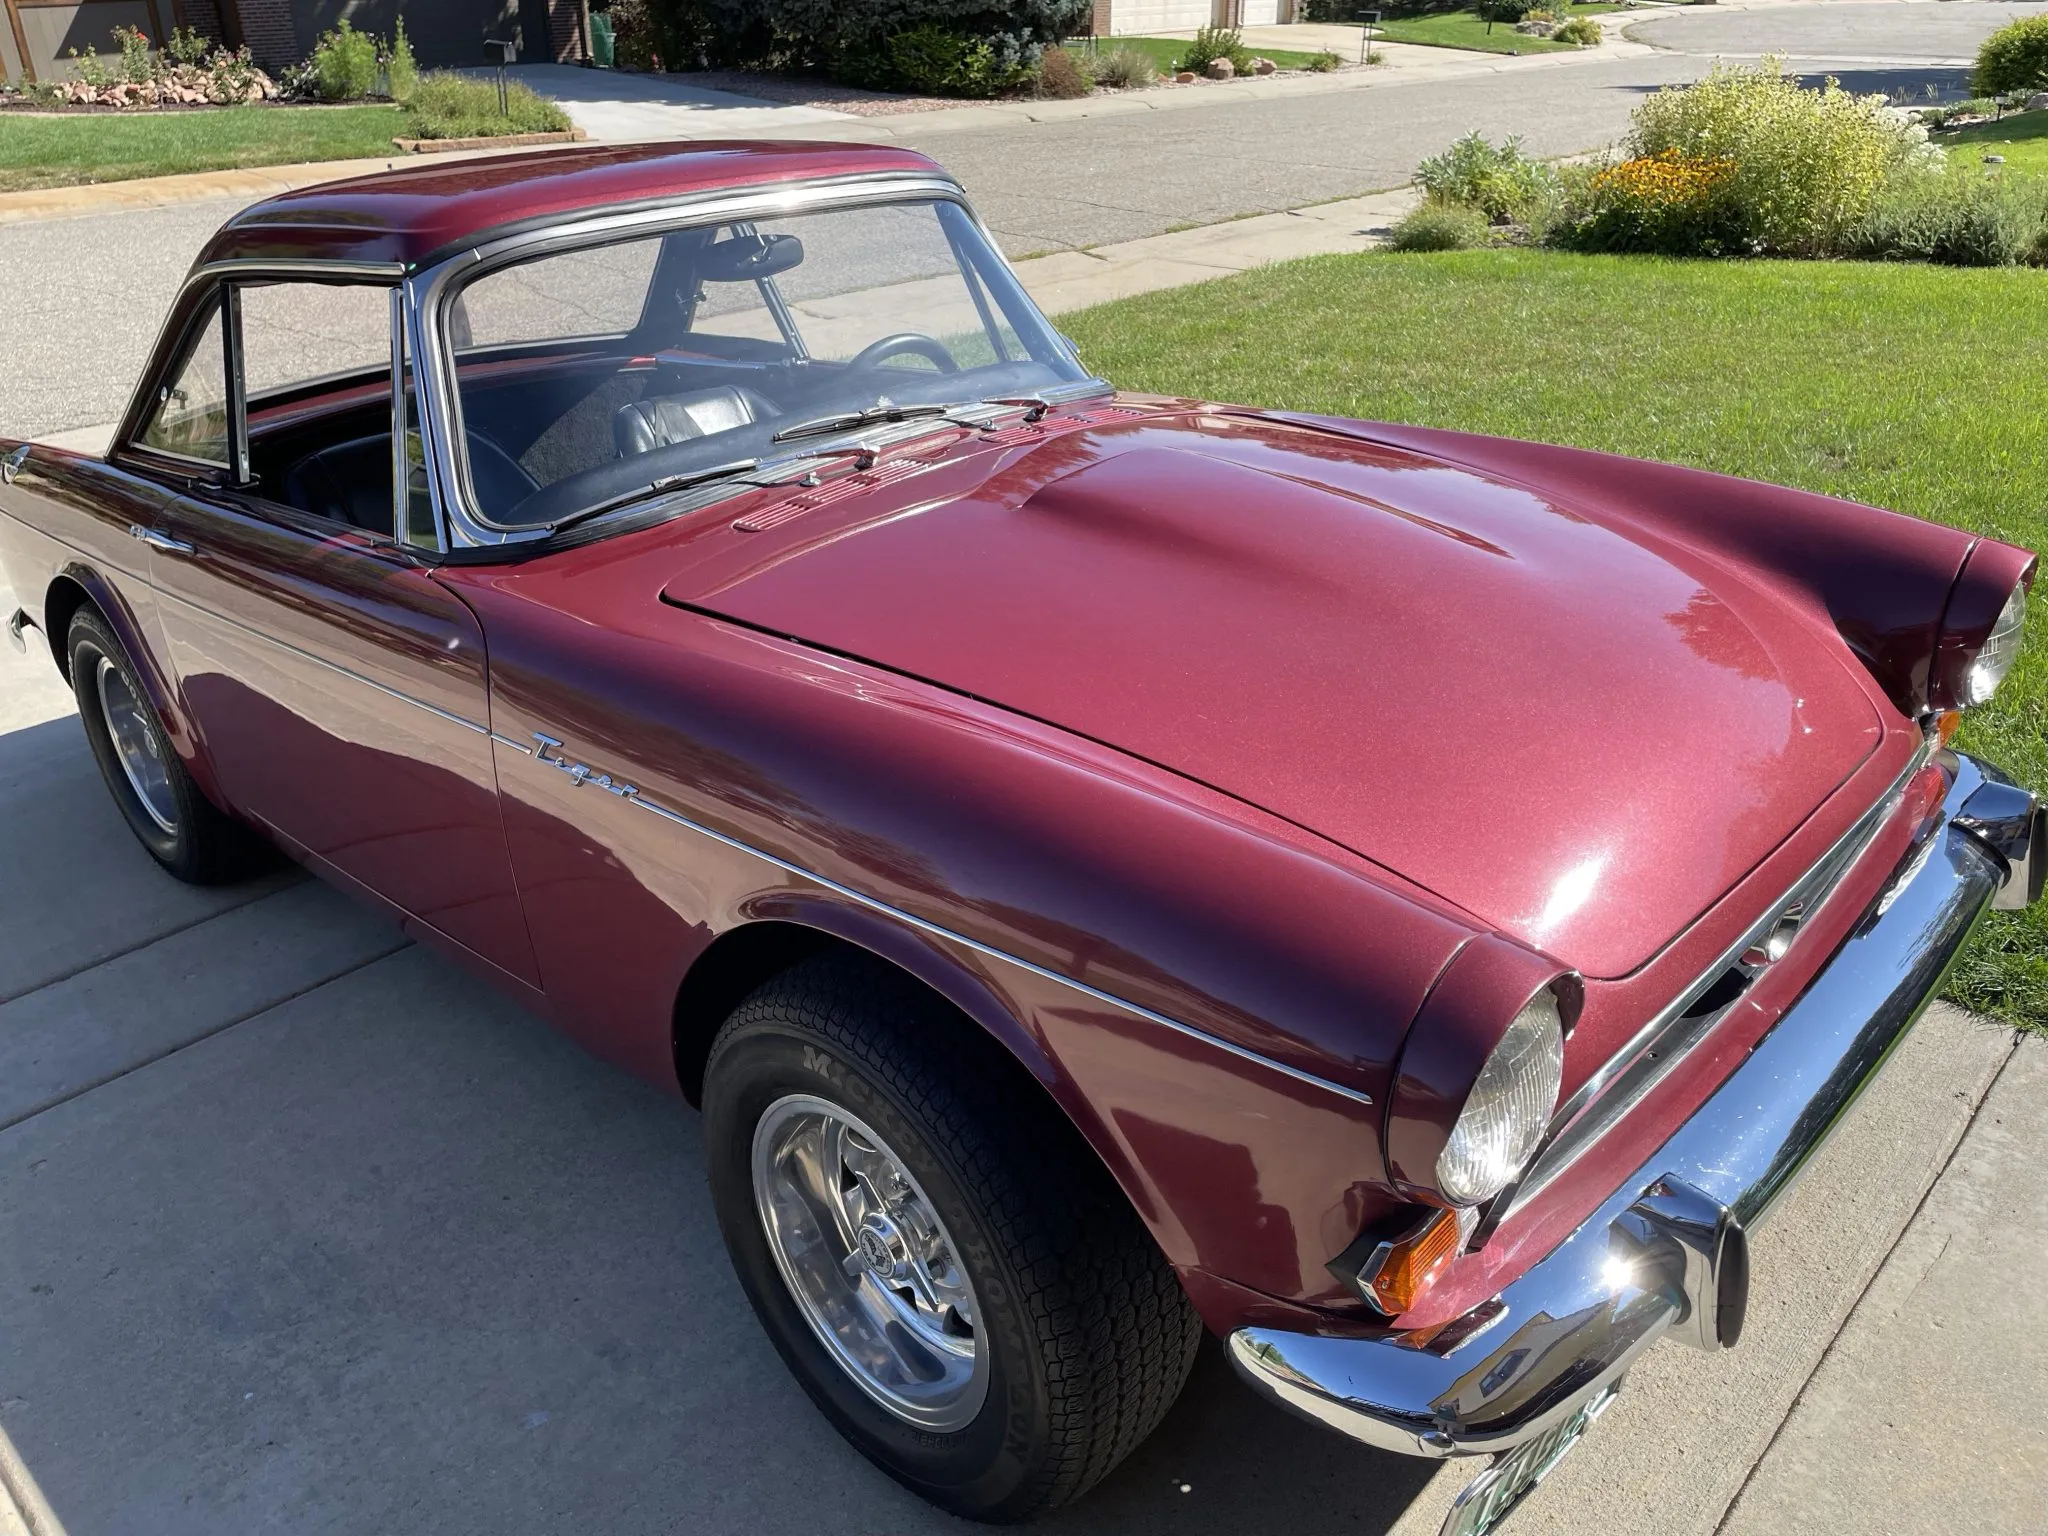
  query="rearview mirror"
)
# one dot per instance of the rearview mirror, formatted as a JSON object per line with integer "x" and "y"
{"x": 746, "y": 258}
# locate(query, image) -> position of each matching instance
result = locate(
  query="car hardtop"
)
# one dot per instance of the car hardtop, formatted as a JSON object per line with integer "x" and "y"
{"x": 412, "y": 217}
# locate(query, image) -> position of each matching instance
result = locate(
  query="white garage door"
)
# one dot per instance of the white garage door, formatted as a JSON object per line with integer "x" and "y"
{"x": 1261, "y": 13}
{"x": 1148, "y": 18}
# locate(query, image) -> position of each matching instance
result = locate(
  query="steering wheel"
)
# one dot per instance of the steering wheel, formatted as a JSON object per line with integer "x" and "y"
{"x": 876, "y": 353}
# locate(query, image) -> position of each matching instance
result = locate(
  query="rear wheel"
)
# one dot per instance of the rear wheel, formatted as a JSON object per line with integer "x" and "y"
{"x": 163, "y": 806}
{"x": 940, "y": 1260}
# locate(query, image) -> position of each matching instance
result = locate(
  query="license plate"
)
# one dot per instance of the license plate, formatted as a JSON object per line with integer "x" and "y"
{"x": 1492, "y": 1496}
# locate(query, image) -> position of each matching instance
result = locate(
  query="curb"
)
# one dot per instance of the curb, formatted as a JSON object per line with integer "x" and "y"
{"x": 504, "y": 141}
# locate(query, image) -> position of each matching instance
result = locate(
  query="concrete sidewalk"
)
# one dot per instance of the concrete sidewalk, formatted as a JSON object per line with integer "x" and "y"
{"x": 303, "y": 1231}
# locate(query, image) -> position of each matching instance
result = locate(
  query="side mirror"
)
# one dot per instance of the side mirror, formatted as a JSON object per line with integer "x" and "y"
{"x": 747, "y": 258}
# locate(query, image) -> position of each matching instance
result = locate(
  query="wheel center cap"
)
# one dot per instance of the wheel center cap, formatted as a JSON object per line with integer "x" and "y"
{"x": 880, "y": 1246}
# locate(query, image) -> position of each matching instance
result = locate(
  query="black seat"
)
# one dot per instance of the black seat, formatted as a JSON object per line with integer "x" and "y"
{"x": 660, "y": 420}
{"x": 350, "y": 482}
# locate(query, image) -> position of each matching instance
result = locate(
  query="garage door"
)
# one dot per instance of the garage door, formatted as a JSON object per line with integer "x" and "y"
{"x": 1148, "y": 18}
{"x": 1261, "y": 13}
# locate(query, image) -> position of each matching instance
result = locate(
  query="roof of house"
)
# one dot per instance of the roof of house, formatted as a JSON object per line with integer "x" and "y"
{"x": 420, "y": 213}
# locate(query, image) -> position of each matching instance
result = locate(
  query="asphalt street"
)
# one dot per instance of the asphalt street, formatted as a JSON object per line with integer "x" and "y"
{"x": 85, "y": 295}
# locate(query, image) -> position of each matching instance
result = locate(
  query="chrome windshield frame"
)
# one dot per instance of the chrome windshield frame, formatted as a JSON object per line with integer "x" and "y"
{"x": 429, "y": 292}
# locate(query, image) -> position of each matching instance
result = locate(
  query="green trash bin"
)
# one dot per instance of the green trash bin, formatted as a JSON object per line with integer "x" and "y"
{"x": 601, "y": 39}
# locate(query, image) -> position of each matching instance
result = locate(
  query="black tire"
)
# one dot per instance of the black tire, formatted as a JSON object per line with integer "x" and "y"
{"x": 1090, "y": 1335}
{"x": 200, "y": 845}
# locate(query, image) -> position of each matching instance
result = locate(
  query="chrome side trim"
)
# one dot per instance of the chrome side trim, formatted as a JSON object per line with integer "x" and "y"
{"x": 1661, "y": 1044}
{"x": 1578, "y": 1318}
{"x": 580, "y": 774}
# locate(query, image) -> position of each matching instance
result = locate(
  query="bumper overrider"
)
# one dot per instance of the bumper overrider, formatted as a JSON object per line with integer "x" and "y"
{"x": 1667, "y": 1252}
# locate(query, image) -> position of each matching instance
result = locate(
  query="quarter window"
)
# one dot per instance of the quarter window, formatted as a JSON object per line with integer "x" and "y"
{"x": 300, "y": 333}
{"x": 191, "y": 414}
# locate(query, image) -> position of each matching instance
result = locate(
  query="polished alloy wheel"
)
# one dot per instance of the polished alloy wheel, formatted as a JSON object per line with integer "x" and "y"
{"x": 137, "y": 747}
{"x": 870, "y": 1264}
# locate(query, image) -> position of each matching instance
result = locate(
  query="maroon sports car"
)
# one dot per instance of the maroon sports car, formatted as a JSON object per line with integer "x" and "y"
{"x": 1106, "y": 866}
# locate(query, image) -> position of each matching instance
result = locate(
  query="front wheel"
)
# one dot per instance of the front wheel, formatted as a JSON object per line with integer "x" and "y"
{"x": 167, "y": 811}
{"x": 940, "y": 1260}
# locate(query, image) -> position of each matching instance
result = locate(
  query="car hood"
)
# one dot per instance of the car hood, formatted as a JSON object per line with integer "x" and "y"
{"x": 1581, "y": 740}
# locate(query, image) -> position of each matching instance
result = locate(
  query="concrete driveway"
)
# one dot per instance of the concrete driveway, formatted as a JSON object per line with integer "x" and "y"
{"x": 303, "y": 1231}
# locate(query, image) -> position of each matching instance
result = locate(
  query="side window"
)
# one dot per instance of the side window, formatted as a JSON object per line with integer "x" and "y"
{"x": 316, "y": 384}
{"x": 301, "y": 333}
{"x": 191, "y": 415}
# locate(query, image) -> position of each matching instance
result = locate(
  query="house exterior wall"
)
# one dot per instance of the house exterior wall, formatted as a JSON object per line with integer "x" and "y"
{"x": 52, "y": 31}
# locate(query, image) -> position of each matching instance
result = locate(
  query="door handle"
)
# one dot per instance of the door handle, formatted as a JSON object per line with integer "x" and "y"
{"x": 160, "y": 541}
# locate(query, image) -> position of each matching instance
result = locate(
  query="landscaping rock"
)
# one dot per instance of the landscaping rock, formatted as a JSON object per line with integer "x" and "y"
{"x": 2038, "y": 101}
{"x": 1263, "y": 66}
{"x": 1185, "y": 77}
{"x": 1221, "y": 69}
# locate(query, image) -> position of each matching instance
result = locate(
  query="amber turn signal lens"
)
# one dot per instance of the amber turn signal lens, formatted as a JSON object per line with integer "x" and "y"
{"x": 1412, "y": 1265}
{"x": 1946, "y": 724}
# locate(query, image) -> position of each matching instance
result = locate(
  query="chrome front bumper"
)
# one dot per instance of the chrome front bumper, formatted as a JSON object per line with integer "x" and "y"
{"x": 1667, "y": 1251}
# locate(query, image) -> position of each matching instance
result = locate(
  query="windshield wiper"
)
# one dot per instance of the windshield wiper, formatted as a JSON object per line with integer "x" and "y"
{"x": 847, "y": 421}
{"x": 657, "y": 487}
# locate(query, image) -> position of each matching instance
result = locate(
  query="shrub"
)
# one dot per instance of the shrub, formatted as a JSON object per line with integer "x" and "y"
{"x": 231, "y": 76}
{"x": 1440, "y": 227}
{"x": 1064, "y": 74}
{"x": 1665, "y": 204}
{"x": 636, "y": 37}
{"x": 344, "y": 64}
{"x": 1502, "y": 183}
{"x": 1580, "y": 31}
{"x": 852, "y": 37}
{"x": 90, "y": 68}
{"x": 401, "y": 69}
{"x": 1807, "y": 164}
{"x": 1507, "y": 11}
{"x": 2014, "y": 58}
{"x": 138, "y": 65}
{"x": 1125, "y": 68}
{"x": 1324, "y": 60}
{"x": 1958, "y": 217}
{"x": 1545, "y": 15}
{"x": 450, "y": 106}
{"x": 1212, "y": 43}
{"x": 938, "y": 61}
{"x": 187, "y": 47}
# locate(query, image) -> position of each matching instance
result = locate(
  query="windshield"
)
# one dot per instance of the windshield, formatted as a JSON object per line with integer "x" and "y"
{"x": 589, "y": 378}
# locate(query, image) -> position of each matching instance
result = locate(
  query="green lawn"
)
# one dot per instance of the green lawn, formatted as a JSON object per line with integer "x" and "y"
{"x": 60, "y": 151}
{"x": 1464, "y": 29}
{"x": 2021, "y": 138}
{"x": 1165, "y": 52}
{"x": 1911, "y": 387}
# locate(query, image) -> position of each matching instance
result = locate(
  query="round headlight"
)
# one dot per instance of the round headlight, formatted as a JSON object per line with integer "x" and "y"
{"x": 1508, "y": 1107}
{"x": 1994, "y": 658}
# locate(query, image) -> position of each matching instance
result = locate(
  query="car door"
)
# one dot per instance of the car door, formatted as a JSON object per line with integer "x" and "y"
{"x": 340, "y": 689}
